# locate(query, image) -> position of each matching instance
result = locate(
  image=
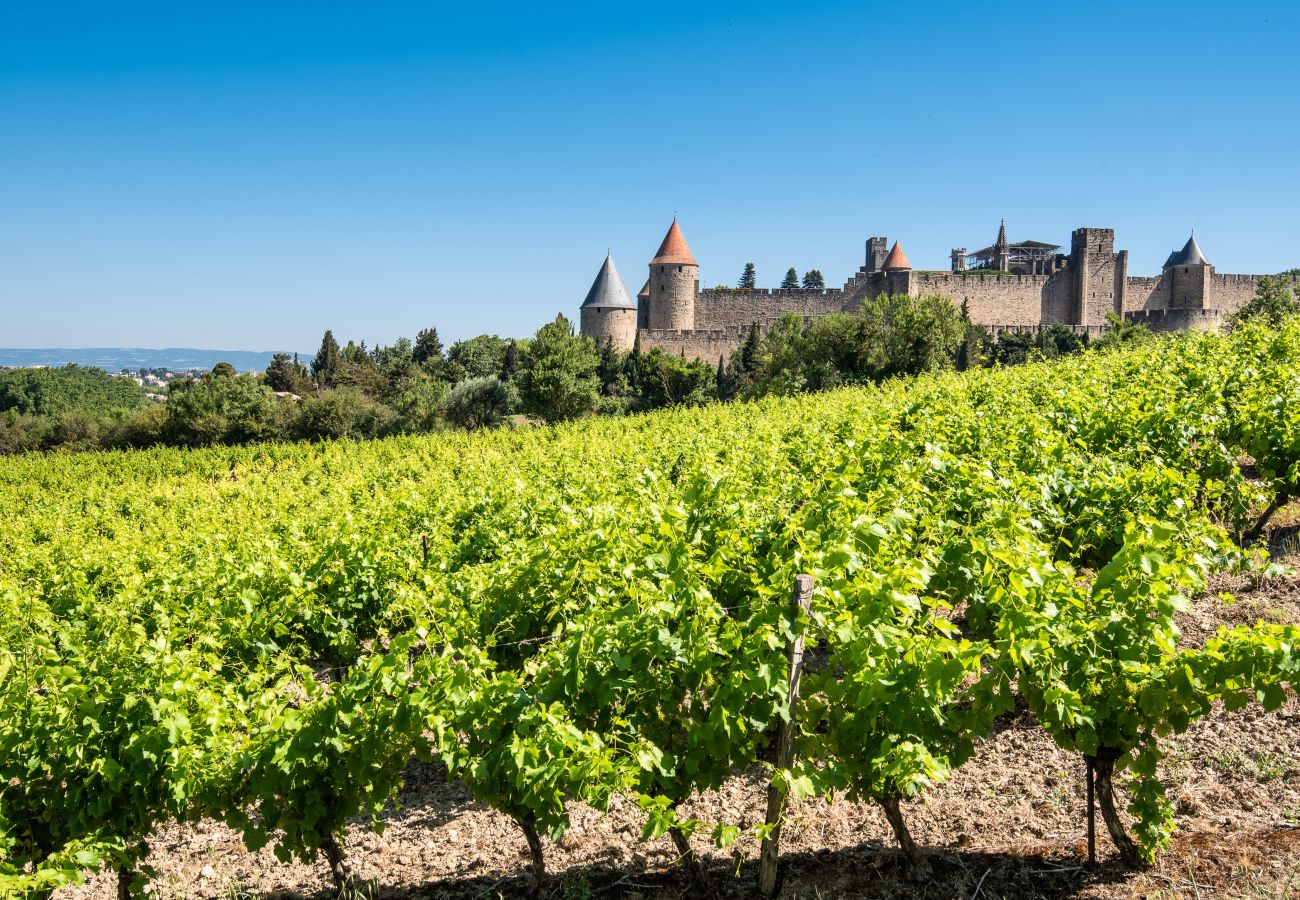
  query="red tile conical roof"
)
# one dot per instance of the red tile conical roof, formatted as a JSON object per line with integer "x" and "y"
{"x": 673, "y": 251}
{"x": 896, "y": 259}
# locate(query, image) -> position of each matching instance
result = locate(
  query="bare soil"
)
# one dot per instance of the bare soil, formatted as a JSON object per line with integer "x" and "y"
{"x": 1010, "y": 824}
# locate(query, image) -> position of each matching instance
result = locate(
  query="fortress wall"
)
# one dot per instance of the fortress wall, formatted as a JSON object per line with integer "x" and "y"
{"x": 723, "y": 308}
{"x": 989, "y": 299}
{"x": 1145, "y": 293}
{"x": 1230, "y": 292}
{"x": 709, "y": 345}
{"x": 1178, "y": 319}
{"x": 1059, "y": 302}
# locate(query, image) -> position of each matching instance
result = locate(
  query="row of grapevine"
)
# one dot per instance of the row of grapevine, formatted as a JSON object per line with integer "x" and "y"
{"x": 267, "y": 636}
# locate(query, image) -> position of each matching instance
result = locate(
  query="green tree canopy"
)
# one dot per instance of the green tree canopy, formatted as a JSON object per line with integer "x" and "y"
{"x": 72, "y": 388}
{"x": 478, "y": 357}
{"x": 663, "y": 379}
{"x": 791, "y": 280}
{"x": 427, "y": 351}
{"x": 903, "y": 335}
{"x": 213, "y": 410}
{"x": 558, "y": 379}
{"x": 813, "y": 280}
{"x": 287, "y": 374}
{"x": 477, "y": 403}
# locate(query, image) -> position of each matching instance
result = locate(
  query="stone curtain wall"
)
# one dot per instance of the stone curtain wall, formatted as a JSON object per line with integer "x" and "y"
{"x": 993, "y": 299}
{"x": 724, "y": 309}
{"x": 1145, "y": 293}
{"x": 1230, "y": 292}
{"x": 709, "y": 345}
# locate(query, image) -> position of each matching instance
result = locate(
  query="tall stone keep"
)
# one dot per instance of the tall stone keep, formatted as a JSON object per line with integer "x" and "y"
{"x": 1098, "y": 287}
{"x": 674, "y": 282}
{"x": 877, "y": 250}
{"x": 1190, "y": 274}
{"x": 608, "y": 314}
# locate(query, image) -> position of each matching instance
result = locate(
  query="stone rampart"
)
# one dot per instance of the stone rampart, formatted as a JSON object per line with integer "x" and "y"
{"x": 1145, "y": 293}
{"x": 989, "y": 299}
{"x": 722, "y": 308}
{"x": 1160, "y": 320}
{"x": 1092, "y": 332}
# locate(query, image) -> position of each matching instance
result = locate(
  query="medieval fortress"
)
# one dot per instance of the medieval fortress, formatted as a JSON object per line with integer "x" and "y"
{"x": 1006, "y": 286}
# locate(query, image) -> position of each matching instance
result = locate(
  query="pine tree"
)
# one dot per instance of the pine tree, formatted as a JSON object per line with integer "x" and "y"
{"x": 813, "y": 280}
{"x": 791, "y": 280}
{"x": 747, "y": 281}
{"x": 427, "y": 351}
{"x": 325, "y": 366}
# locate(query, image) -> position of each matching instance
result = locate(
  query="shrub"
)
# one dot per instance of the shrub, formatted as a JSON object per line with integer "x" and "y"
{"x": 477, "y": 403}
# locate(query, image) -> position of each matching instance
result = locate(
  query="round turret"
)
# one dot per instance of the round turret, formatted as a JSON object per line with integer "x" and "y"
{"x": 674, "y": 282}
{"x": 608, "y": 314}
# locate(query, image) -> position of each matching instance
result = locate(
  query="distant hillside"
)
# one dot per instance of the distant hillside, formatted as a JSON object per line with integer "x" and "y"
{"x": 114, "y": 359}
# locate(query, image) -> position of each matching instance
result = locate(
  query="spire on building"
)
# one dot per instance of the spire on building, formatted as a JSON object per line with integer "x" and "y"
{"x": 1190, "y": 255}
{"x": 607, "y": 290}
{"x": 896, "y": 259}
{"x": 673, "y": 251}
{"x": 1002, "y": 234}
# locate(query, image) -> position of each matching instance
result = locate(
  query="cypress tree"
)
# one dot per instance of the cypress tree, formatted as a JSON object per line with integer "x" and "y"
{"x": 749, "y": 351}
{"x": 791, "y": 280}
{"x": 325, "y": 366}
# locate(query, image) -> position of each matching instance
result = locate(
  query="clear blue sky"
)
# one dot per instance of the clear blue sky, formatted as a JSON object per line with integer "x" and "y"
{"x": 245, "y": 175}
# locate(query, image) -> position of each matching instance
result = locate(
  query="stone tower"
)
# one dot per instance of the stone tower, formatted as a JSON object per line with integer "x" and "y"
{"x": 877, "y": 250}
{"x": 674, "y": 282}
{"x": 959, "y": 259}
{"x": 1189, "y": 272}
{"x": 608, "y": 313}
{"x": 1097, "y": 279}
{"x": 898, "y": 271}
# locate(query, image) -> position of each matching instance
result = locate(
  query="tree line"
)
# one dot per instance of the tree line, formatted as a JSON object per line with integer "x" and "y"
{"x": 351, "y": 391}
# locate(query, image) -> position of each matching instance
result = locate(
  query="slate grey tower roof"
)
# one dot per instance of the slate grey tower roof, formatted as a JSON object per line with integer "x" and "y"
{"x": 1190, "y": 255}
{"x": 607, "y": 290}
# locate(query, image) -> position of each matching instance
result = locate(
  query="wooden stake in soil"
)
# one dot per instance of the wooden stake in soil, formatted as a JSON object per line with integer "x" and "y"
{"x": 1092, "y": 814}
{"x": 770, "y": 853}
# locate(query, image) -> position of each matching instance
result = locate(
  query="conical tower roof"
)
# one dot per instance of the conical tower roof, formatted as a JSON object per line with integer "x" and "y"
{"x": 1190, "y": 255}
{"x": 607, "y": 290}
{"x": 673, "y": 251}
{"x": 644, "y": 293}
{"x": 1002, "y": 234}
{"x": 896, "y": 259}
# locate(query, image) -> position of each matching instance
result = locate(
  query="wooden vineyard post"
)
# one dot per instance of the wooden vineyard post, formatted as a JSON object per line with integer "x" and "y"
{"x": 770, "y": 853}
{"x": 1092, "y": 814}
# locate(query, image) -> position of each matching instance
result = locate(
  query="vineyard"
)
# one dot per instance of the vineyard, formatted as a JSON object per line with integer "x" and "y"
{"x": 602, "y": 615}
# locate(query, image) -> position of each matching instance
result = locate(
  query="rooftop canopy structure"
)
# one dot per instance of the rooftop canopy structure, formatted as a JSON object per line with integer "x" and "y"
{"x": 1020, "y": 258}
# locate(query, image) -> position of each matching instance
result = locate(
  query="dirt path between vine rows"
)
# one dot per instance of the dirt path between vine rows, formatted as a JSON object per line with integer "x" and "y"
{"x": 1009, "y": 824}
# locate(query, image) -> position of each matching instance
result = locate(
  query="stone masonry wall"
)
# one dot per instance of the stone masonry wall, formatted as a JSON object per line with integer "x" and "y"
{"x": 1230, "y": 292}
{"x": 726, "y": 308}
{"x": 991, "y": 299}
{"x": 1145, "y": 293}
